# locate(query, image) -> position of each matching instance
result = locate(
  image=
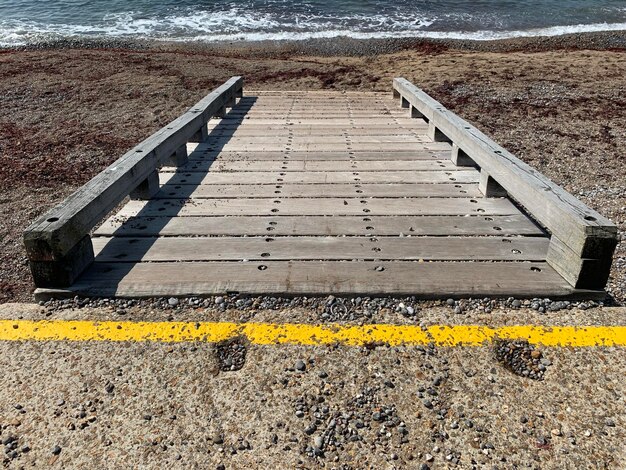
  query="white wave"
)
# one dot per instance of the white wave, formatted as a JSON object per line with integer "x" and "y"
{"x": 244, "y": 25}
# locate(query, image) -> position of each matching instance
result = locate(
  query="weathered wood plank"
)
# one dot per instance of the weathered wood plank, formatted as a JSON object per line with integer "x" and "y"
{"x": 310, "y": 131}
{"x": 427, "y": 280}
{"x": 199, "y": 155}
{"x": 295, "y": 165}
{"x": 317, "y": 190}
{"x": 343, "y": 122}
{"x": 330, "y": 147}
{"x": 503, "y": 225}
{"x": 268, "y": 177}
{"x": 320, "y": 206}
{"x": 320, "y": 248}
{"x": 579, "y": 272}
{"x": 319, "y": 128}
{"x": 286, "y": 139}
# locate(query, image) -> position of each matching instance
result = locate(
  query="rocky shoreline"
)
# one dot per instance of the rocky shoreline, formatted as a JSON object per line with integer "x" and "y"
{"x": 347, "y": 46}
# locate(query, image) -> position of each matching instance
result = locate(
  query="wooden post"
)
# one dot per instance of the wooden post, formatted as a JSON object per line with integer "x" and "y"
{"x": 490, "y": 187}
{"x": 180, "y": 157}
{"x": 63, "y": 271}
{"x": 435, "y": 133}
{"x": 416, "y": 114}
{"x": 460, "y": 158}
{"x": 582, "y": 273}
{"x": 201, "y": 134}
{"x": 221, "y": 112}
{"x": 147, "y": 188}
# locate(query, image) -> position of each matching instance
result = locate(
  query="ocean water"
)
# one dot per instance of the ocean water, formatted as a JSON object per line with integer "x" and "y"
{"x": 26, "y": 21}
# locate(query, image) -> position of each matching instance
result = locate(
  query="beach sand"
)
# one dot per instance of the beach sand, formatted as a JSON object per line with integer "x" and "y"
{"x": 68, "y": 110}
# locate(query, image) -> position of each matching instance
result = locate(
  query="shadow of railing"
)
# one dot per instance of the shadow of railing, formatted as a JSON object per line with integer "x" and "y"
{"x": 219, "y": 136}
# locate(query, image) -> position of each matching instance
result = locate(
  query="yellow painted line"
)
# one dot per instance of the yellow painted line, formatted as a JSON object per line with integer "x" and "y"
{"x": 294, "y": 333}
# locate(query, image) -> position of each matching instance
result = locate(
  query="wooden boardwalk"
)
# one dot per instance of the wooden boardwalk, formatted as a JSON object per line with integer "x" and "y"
{"x": 320, "y": 193}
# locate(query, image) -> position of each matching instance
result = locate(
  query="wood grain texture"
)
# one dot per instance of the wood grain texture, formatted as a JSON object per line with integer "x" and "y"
{"x": 320, "y": 248}
{"x": 320, "y": 206}
{"x": 574, "y": 223}
{"x": 243, "y": 191}
{"x": 344, "y": 156}
{"x": 584, "y": 240}
{"x": 301, "y": 193}
{"x": 314, "y": 177}
{"x": 495, "y": 225}
{"x": 427, "y": 280}
{"x": 325, "y": 166}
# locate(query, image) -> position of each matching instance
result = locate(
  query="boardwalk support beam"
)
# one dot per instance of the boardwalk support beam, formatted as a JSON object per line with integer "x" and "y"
{"x": 148, "y": 187}
{"x": 582, "y": 241}
{"x": 180, "y": 157}
{"x": 460, "y": 158}
{"x": 490, "y": 187}
{"x": 58, "y": 244}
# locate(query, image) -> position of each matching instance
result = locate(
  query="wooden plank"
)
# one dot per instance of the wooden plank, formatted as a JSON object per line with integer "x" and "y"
{"x": 318, "y": 111}
{"x": 435, "y": 155}
{"x": 326, "y": 166}
{"x": 317, "y": 127}
{"x": 579, "y": 272}
{"x": 319, "y": 248}
{"x": 258, "y": 131}
{"x": 343, "y": 122}
{"x": 318, "y": 139}
{"x": 457, "y": 177}
{"x": 316, "y": 190}
{"x": 320, "y": 206}
{"x": 426, "y": 280}
{"x": 58, "y": 231}
{"x": 330, "y": 147}
{"x": 503, "y": 225}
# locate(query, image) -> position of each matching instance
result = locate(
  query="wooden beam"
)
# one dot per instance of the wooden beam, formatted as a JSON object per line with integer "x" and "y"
{"x": 436, "y": 134}
{"x": 490, "y": 187}
{"x": 147, "y": 188}
{"x": 58, "y": 233}
{"x": 180, "y": 157}
{"x": 460, "y": 158}
{"x": 586, "y": 233}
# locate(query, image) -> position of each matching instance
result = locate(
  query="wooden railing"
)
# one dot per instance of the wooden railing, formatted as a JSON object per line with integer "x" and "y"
{"x": 582, "y": 241}
{"x": 58, "y": 244}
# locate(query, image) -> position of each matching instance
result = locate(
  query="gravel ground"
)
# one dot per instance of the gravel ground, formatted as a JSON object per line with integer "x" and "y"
{"x": 145, "y": 405}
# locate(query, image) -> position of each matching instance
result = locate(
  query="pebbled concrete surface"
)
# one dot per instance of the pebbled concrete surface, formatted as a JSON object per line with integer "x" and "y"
{"x": 149, "y": 405}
